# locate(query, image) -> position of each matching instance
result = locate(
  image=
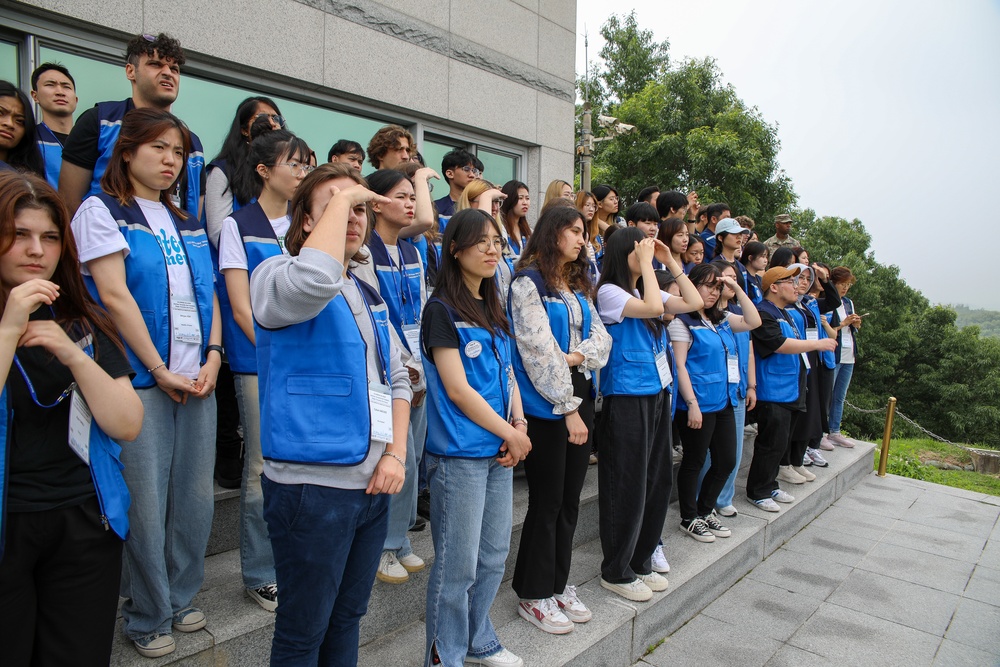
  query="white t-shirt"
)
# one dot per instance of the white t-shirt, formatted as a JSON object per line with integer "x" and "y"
{"x": 680, "y": 333}
{"x": 97, "y": 235}
{"x": 232, "y": 253}
{"x": 611, "y": 301}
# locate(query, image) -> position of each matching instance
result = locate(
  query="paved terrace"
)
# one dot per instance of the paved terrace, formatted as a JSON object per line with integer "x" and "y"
{"x": 896, "y": 572}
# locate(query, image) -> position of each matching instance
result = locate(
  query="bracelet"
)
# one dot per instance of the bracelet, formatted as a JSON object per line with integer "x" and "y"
{"x": 159, "y": 365}
{"x": 514, "y": 421}
{"x": 401, "y": 462}
{"x": 214, "y": 348}
{"x": 691, "y": 401}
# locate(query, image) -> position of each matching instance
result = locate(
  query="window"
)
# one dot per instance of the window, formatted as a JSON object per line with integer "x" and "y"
{"x": 9, "y": 63}
{"x": 499, "y": 167}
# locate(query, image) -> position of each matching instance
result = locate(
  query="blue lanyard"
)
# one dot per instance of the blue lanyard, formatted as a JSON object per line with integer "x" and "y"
{"x": 31, "y": 388}
{"x": 402, "y": 287}
{"x": 378, "y": 341}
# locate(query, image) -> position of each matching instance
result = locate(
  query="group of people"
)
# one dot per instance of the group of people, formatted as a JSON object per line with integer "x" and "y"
{"x": 371, "y": 343}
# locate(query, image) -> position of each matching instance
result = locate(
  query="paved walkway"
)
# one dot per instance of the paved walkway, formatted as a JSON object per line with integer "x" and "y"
{"x": 896, "y": 572}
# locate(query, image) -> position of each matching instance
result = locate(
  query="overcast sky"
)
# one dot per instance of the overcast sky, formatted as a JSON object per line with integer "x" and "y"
{"x": 887, "y": 111}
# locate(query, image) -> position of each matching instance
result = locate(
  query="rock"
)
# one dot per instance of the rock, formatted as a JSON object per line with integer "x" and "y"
{"x": 936, "y": 464}
{"x": 985, "y": 460}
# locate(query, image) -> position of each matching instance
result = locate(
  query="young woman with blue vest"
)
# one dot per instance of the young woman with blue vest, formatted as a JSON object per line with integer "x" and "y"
{"x": 708, "y": 379}
{"x": 846, "y": 322}
{"x": 149, "y": 265}
{"x": 815, "y": 299}
{"x": 324, "y": 348}
{"x": 63, "y": 502}
{"x": 634, "y": 469}
{"x": 249, "y": 236}
{"x": 422, "y": 233}
{"x": 476, "y": 435}
{"x": 513, "y": 217}
{"x": 808, "y": 428}
{"x": 396, "y": 271}
{"x": 18, "y": 148}
{"x": 560, "y": 342}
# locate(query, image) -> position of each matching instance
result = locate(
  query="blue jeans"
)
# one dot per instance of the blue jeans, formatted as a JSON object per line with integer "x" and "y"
{"x": 729, "y": 489}
{"x": 471, "y": 501}
{"x": 256, "y": 559}
{"x": 326, "y": 546}
{"x": 842, "y": 375}
{"x": 403, "y": 506}
{"x": 168, "y": 470}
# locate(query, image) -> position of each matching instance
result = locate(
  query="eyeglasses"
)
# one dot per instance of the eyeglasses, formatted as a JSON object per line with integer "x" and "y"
{"x": 794, "y": 281}
{"x": 472, "y": 171}
{"x": 273, "y": 117}
{"x": 714, "y": 287}
{"x": 498, "y": 244}
{"x": 295, "y": 166}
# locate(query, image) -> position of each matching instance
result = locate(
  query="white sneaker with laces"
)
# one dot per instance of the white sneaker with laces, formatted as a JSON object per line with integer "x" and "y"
{"x": 634, "y": 590}
{"x": 804, "y": 473}
{"x": 655, "y": 581}
{"x": 728, "y": 511}
{"x": 660, "y": 563}
{"x": 767, "y": 504}
{"x": 817, "y": 458}
{"x": 571, "y": 606}
{"x": 788, "y": 474}
{"x": 502, "y": 658}
{"x": 545, "y": 615}
{"x": 783, "y": 496}
{"x": 390, "y": 570}
{"x": 411, "y": 562}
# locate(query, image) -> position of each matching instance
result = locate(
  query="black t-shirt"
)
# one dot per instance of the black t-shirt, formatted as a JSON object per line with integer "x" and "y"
{"x": 437, "y": 329}
{"x": 767, "y": 338}
{"x": 44, "y": 472}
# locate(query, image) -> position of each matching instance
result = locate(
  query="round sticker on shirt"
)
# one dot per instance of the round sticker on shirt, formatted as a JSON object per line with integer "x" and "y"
{"x": 473, "y": 349}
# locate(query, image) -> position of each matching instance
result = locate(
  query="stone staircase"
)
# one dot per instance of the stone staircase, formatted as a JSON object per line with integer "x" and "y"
{"x": 621, "y": 632}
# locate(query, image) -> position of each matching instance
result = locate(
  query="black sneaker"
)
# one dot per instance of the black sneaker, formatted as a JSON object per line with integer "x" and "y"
{"x": 419, "y": 524}
{"x": 715, "y": 526}
{"x": 697, "y": 529}
{"x": 266, "y": 596}
{"x": 424, "y": 504}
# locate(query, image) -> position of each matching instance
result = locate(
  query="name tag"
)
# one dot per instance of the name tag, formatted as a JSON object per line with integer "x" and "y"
{"x": 79, "y": 426}
{"x": 847, "y": 340}
{"x": 663, "y": 369}
{"x": 812, "y": 333}
{"x": 511, "y": 383}
{"x": 805, "y": 360}
{"x": 184, "y": 317}
{"x": 380, "y": 411}
{"x": 733, "y": 366}
{"x": 411, "y": 332}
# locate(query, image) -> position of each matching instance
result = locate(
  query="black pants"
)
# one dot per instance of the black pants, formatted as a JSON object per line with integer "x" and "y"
{"x": 774, "y": 428}
{"x": 718, "y": 435}
{"x": 634, "y": 473}
{"x": 228, "y": 443}
{"x": 555, "y": 470}
{"x": 807, "y": 430}
{"x": 59, "y": 581}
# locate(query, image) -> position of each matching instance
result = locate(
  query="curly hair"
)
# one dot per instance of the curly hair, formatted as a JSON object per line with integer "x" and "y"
{"x": 147, "y": 45}
{"x": 385, "y": 140}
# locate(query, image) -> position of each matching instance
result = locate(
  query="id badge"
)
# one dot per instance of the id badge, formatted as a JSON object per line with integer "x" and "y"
{"x": 733, "y": 367}
{"x": 805, "y": 360}
{"x": 511, "y": 383}
{"x": 79, "y": 426}
{"x": 847, "y": 340}
{"x": 812, "y": 333}
{"x": 411, "y": 332}
{"x": 663, "y": 369}
{"x": 380, "y": 410}
{"x": 184, "y": 316}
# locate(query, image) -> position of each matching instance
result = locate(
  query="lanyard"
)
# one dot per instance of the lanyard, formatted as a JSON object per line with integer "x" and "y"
{"x": 572, "y": 320}
{"x": 402, "y": 286}
{"x": 31, "y": 387}
{"x": 501, "y": 371}
{"x": 378, "y": 341}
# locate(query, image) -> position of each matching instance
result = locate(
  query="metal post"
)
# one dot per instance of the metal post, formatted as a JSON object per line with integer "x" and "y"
{"x": 586, "y": 144}
{"x": 890, "y": 413}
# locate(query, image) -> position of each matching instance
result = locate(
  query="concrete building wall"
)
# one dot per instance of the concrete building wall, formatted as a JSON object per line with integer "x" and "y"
{"x": 498, "y": 70}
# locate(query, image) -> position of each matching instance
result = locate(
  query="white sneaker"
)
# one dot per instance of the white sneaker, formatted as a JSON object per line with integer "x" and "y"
{"x": 660, "y": 563}
{"x": 545, "y": 615}
{"x": 817, "y": 458}
{"x": 411, "y": 562}
{"x": 728, "y": 511}
{"x": 804, "y": 473}
{"x": 502, "y": 658}
{"x": 571, "y": 606}
{"x": 783, "y": 496}
{"x": 787, "y": 474}
{"x": 634, "y": 590}
{"x": 806, "y": 459}
{"x": 390, "y": 570}
{"x": 656, "y": 582}
{"x": 767, "y": 504}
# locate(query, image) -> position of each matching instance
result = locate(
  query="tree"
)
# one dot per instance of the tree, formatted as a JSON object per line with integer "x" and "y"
{"x": 631, "y": 56}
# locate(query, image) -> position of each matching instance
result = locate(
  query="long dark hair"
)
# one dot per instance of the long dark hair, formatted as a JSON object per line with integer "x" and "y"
{"x": 708, "y": 275}
{"x": 782, "y": 256}
{"x": 25, "y": 155}
{"x": 75, "y": 307}
{"x": 142, "y": 126}
{"x": 668, "y": 229}
{"x": 244, "y": 182}
{"x": 268, "y": 148}
{"x": 510, "y": 189}
{"x": 615, "y": 269}
{"x": 465, "y": 229}
{"x": 542, "y": 252}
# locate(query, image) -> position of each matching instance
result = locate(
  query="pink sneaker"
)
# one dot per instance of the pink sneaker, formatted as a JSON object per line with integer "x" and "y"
{"x": 825, "y": 444}
{"x": 838, "y": 439}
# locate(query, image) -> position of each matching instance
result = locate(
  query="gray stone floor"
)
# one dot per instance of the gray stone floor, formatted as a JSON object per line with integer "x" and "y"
{"x": 896, "y": 572}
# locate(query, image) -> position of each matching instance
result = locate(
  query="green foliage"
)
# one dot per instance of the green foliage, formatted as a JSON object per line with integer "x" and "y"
{"x": 988, "y": 321}
{"x": 908, "y": 458}
{"x": 631, "y": 57}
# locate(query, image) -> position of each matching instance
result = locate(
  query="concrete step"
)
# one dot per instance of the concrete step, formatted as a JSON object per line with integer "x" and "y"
{"x": 392, "y": 633}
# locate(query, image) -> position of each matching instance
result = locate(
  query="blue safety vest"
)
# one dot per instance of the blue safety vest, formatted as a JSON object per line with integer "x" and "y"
{"x": 146, "y": 278}
{"x": 259, "y": 242}
{"x": 828, "y": 357}
{"x": 778, "y": 373}
{"x": 109, "y": 117}
{"x": 743, "y": 350}
{"x": 486, "y": 359}
{"x": 51, "y": 148}
{"x": 631, "y": 369}
{"x": 398, "y": 285}
{"x": 706, "y": 363}
{"x": 560, "y": 321}
{"x": 313, "y": 382}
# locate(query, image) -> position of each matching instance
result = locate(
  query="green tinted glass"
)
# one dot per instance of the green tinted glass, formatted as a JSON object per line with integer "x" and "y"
{"x": 434, "y": 152}
{"x": 8, "y": 63}
{"x": 499, "y": 168}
